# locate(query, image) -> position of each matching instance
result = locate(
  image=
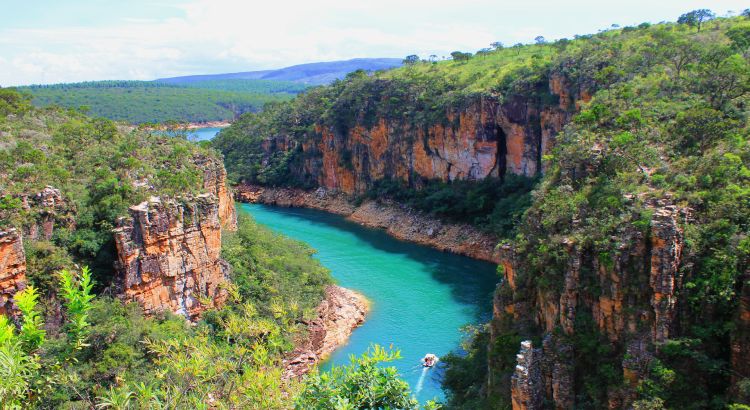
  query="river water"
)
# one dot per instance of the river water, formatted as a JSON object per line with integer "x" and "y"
{"x": 205, "y": 134}
{"x": 419, "y": 297}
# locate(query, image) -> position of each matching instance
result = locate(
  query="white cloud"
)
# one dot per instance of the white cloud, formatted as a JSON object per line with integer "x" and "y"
{"x": 134, "y": 20}
{"x": 214, "y": 36}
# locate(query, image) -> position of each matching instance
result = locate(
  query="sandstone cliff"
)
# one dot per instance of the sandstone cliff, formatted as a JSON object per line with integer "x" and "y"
{"x": 631, "y": 313}
{"x": 170, "y": 255}
{"x": 215, "y": 182}
{"x": 12, "y": 269}
{"x": 342, "y": 311}
{"x": 399, "y": 221}
{"x": 487, "y": 139}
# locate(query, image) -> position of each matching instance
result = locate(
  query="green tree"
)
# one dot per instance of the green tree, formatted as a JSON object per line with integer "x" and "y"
{"x": 497, "y": 45}
{"x": 363, "y": 384}
{"x": 411, "y": 60}
{"x": 696, "y": 18}
{"x": 740, "y": 37}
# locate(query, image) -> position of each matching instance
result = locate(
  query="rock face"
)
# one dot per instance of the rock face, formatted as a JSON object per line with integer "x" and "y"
{"x": 215, "y": 182}
{"x": 487, "y": 139}
{"x": 647, "y": 322}
{"x": 342, "y": 311}
{"x": 12, "y": 269}
{"x": 169, "y": 255}
{"x": 400, "y": 222}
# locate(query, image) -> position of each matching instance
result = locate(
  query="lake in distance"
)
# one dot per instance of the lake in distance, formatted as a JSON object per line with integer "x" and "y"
{"x": 419, "y": 297}
{"x": 206, "y": 134}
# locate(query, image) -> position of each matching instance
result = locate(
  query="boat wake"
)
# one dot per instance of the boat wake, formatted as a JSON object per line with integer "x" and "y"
{"x": 421, "y": 380}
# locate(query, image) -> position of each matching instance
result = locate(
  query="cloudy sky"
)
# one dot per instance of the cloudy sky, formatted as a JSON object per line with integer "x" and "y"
{"x": 53, "y": 41}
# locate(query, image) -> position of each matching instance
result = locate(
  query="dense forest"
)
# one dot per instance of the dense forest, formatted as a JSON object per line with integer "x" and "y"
{"x": 73, "y": 344}
{"x": 139, "y": 102}
{"x": 626, "y": 263}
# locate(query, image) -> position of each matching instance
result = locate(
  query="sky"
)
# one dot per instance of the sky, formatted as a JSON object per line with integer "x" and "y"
{"x": 55, "y": 41}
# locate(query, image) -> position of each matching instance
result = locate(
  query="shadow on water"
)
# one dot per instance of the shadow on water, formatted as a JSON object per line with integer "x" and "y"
{"x": 419, "y": 297}
{"x": 471, "y": 281}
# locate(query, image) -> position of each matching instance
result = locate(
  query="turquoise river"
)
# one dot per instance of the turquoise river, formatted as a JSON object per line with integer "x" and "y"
{"x": 419, "y": 297}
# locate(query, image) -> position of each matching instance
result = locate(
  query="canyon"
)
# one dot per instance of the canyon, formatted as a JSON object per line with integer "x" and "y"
{"x": 399, "y": 221}
{"x": 487, "y": 139}
{"x": 630, "y": 320}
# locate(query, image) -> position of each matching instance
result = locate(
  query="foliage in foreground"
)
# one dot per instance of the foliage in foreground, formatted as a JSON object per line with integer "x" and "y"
{"x": 362, "y": 384}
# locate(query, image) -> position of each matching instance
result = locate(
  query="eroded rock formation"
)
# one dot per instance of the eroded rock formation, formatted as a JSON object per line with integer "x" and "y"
{"x": 342, "y": 311}
{"x": 215, "y": 182}
{"x": 169, "y": 255}
{"x": 602, "y": 284}
{"x": 12, "y": 269}
{"x": 487, "y": 139}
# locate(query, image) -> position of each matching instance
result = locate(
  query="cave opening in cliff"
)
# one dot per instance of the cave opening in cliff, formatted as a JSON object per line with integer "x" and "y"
{"x": 501, "y": 153}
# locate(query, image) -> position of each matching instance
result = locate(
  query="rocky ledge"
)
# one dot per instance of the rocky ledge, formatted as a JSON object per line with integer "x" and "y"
{"x": 342, "y": 311}
{"x": 400, "y": 221}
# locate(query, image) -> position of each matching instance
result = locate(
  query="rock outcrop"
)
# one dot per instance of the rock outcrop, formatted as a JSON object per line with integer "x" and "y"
{"x": 342, "y": 311}
{"x": 169, "y": 255}
{"x": 215, "y": 182}
{"x": 12, "y": 269}
{"x": 603, "y": 286}
{"x": 486, "y": 139}
{"x": 399, "y": 221}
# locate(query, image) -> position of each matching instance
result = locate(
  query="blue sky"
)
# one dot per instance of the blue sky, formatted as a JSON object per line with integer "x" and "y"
{"x": 53, "y": 41}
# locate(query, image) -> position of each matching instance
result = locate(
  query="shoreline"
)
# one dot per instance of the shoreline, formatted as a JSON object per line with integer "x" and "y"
{"x": 342, "y": 311}
{"x": 398, "y": 220}
{"x": 208, "y": 124}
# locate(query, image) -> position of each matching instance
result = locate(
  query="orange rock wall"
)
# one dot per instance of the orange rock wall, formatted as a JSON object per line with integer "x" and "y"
{"x": 487, "y": 139}
{"x": 12, "y": 269}
{"x": 215, "y": 182}
{"x": 618, "y": 279}
{"x": 170, "y": 255}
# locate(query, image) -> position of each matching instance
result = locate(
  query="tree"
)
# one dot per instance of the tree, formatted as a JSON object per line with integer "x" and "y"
{"x": 740, "y": 37}
{"x": 540, "y": 40}
{"x": 701, "y": 127}
{"x": 497, "y": 45}
{"x": 411, "y": 60}
{"x": 361, "y": 385}
{"x": 518, "y": 47}
{"x": 561, "y": 44}
{"x": 461, "y": 57}
{"x": 696, "y": 18}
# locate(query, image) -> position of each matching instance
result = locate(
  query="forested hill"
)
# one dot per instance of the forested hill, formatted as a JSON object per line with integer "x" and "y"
{"x": 138, "y": 102}
{"x": 310, "y": 74}
{"x": 626, "y": 268}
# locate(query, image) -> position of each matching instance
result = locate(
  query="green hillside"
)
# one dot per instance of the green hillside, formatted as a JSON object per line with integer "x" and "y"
{"x": 139, "y": 102}
{"x": 667, "y": 123}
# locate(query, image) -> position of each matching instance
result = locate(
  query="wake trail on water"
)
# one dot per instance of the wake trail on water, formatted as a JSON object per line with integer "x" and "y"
{"x": 421, "y": 380}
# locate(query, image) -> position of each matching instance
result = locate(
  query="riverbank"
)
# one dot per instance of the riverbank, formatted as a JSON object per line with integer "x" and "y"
{"x": 208, "y": 124}
{"x": 338, "y": 315}
{"x": 398, "y": 220}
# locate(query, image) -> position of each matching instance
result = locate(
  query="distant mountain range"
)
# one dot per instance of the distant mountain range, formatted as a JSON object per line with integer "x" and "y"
{"x": 312, "y": 73}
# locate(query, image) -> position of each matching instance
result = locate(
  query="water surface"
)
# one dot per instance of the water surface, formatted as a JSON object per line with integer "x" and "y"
{"x": 419, "y": 297}
{"x": 205, "y": 134}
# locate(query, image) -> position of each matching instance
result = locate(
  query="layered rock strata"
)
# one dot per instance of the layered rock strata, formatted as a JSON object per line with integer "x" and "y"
{"x": 399, "y": 221}
{"x": 169, "y": 255}
{"x": 597, "y": 283}
{"x": 342, "y": 311}
{"x": 12, "y": 269}
{"x": 486, "y": 139}
{"x": 215, "y": 182}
